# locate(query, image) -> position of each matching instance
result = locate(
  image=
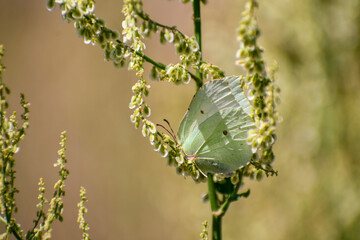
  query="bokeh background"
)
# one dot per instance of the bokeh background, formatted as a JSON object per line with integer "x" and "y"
{"x": 132, "y": 193}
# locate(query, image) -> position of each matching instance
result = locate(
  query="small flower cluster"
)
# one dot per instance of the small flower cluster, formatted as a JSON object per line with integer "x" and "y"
{"x": 38, "y": 233}
{"x": 132, "y": 36}
{"x": 10, "y": 136}
{"x": 177, "y": 74}
{"x": 204, "y": 234}
{"x": 187, "y": 48}
{"x": 184, "y": 166}
{"x": 56, "y": 203}
{"x": 261, "y": 91}
{"x": 253, "y": 172}
{"x": 211, "y": 71}
{"x": 72, "y": 9}
{"x": 43, "y": 224}
{"x": 141, "y": 89}
{"x": 88, "y": 26}
{"x": 250, "y": 170}
{"x": 141, "y": 108}
{"x": 60, "y": 184}
{"x": 41, "y": 198}
{"x": 83, "y": 225}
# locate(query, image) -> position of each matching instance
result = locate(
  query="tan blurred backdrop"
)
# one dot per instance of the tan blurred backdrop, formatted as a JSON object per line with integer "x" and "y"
{"x": 132, "y": 193}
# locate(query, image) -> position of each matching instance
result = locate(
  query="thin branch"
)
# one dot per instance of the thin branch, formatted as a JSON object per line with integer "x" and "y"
{"x": 36, "y": 223}
{"x": 145, "y": 17}
{"x": 3, "y": 219}
{"x": 16, "y": 235}
{"x": 153, "y": 62}
{"x": 233, "y": 196}
{"x": 197, "y": 30}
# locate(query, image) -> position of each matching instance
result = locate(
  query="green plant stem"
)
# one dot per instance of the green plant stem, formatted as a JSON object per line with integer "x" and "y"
{"x": 216, "y": 219}
{"x": 214, "y": 204}
{"x": 197, "y": 30}
{"x": 233, "y": 197}
{"x": 30, "y": 233}
{"x": 216, "y": 227}
{"x": 8, "y": 222}
{"x": 212, "y": 193}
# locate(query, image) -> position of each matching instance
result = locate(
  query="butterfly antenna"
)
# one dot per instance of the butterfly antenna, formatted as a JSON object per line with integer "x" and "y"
{"x": 159, "y": 125}
{"x": 172, "y": 134}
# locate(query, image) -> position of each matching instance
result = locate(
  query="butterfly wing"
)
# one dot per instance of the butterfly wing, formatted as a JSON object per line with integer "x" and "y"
{"x": 214, "y": 129}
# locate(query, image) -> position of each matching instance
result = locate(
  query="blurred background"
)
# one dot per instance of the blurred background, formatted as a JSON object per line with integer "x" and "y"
{"x": 132, "y": 193}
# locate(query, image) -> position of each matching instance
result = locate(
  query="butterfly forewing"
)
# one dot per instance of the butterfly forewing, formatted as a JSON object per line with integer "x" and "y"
{"x": 234, "y": 85}
{"x": 212, "y": 97}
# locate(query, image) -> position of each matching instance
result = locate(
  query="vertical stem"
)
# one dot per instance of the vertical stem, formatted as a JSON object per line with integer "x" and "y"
{"x": 216, "y": 219}
{"x": 197, "y": 30}
{"x": 216, "y": 227}
{"x": 212, "y": 194}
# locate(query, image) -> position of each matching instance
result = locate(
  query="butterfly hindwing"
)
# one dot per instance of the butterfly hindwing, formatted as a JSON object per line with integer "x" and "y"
{"x": 226, "y": 149}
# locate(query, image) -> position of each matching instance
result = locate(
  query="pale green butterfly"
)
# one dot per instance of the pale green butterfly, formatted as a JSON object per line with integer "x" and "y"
{"x": 214, "y": 130}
